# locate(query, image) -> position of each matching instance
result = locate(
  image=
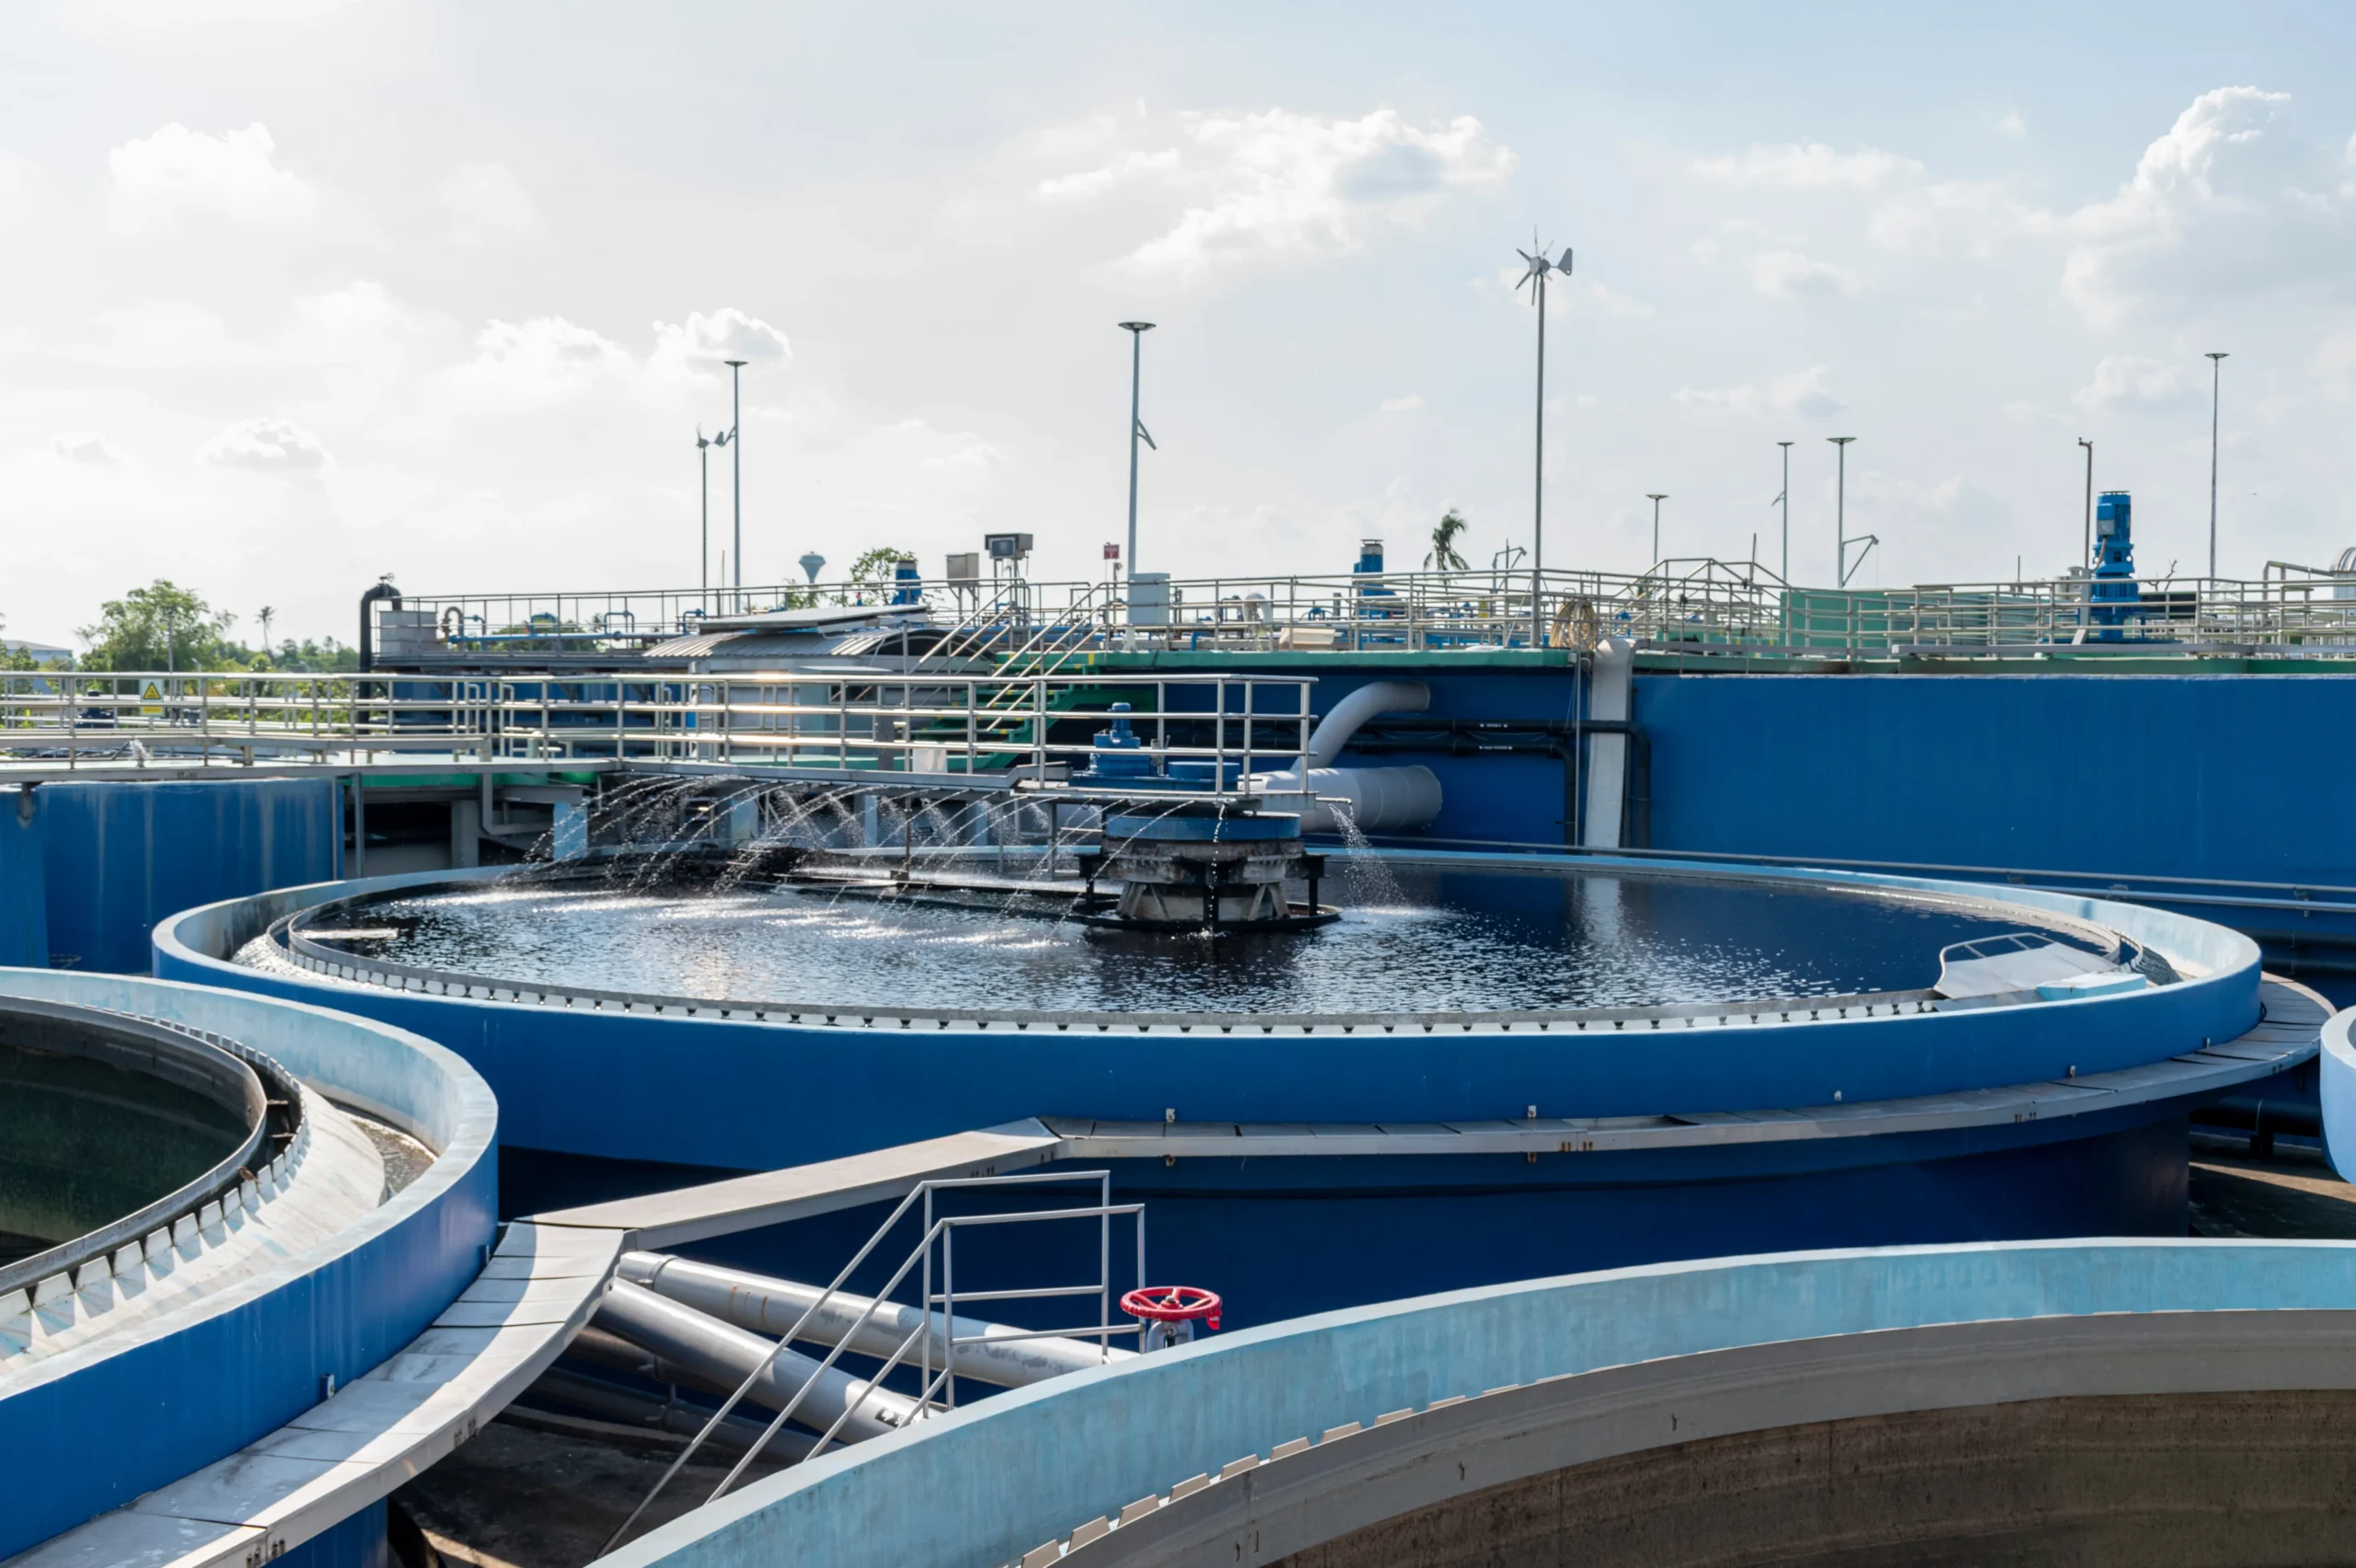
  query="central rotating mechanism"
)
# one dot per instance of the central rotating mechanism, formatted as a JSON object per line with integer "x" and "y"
{"x": 1200, "y": 866}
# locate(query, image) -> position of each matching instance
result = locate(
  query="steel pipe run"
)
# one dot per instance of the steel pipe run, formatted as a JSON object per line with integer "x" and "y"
{"x": 773, "y": 1306}
{"x": 710, "y": 1348}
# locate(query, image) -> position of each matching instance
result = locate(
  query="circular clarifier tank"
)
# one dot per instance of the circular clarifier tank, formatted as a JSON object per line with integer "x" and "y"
{"x": 1408, "y": 939}
{"x": 101, "y": 1121}
{"x": 1485, "y": 1067}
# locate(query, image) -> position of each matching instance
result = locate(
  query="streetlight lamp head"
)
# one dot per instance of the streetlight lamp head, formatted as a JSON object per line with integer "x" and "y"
{"x": 1840, "y": 440}
{"x": 736, "y": 363}
{"x": 2219, "y": 356}
{"x": 1136, "y": 326}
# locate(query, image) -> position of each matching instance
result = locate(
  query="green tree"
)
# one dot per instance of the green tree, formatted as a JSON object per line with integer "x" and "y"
{"x": 162, "y": 625}
{"x": 872, "y": 573}
{"x": 329, "y": 657}
{"x": 1443, "y": 556}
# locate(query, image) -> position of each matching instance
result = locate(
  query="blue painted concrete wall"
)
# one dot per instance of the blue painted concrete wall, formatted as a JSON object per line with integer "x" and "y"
{"x": 191, "y": 1390}
{"x": 2156, "y": 775}
{"x": 1281, "y": 1237}
{"x": 123, "y": 856}
{"x": 24, "y": 885}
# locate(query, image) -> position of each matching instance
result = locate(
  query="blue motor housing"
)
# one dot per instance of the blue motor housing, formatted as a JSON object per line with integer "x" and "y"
{"x": 1120, "y": 755}
{"x": 2112, "y": 598}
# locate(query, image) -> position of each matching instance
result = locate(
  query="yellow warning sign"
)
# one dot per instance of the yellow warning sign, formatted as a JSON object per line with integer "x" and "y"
{"x": 150, "y": 699}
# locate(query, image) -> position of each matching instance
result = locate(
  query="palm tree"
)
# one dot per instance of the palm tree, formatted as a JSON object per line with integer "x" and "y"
{"x": 1444, "y": 557}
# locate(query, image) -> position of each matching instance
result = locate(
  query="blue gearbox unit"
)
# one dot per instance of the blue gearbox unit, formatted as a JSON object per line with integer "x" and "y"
{"x": 2112, "y": 597}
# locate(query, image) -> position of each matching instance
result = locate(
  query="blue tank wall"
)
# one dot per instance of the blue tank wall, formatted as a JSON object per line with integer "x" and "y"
{"x": 123, "y": 856}
{"x": 1279, "y": 1238}
{"x": 24, "y": 887}
{"x": 215, "y": 1376}
{"x": 2155, "y": 775}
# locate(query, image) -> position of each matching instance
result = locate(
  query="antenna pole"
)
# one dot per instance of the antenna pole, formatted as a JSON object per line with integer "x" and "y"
{"x": 1786, "y": 499}
{"x": 737, "y": 483}
{"x": 2086, "y": 545}
{"x": 2216, "y": 384}
{"x": 1841, "y": 512}
{"x": 1137, "y": 331}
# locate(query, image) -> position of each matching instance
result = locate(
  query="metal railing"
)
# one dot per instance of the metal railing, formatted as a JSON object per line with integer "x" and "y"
{"x": 941, "y": 1230}
{"x": 1701, "y": 603}
{"x": 1046, "y": 622}
{"x": 839, "y": 725}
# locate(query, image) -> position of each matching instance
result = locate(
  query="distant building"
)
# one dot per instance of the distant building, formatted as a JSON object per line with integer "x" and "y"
{"x": 43, "y": 652}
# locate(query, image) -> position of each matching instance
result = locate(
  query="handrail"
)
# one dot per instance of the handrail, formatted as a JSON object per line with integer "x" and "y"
{"x": 1031, "y": 624}
{"x": 847, "y": 721}
{"x": 933, "y": 1228}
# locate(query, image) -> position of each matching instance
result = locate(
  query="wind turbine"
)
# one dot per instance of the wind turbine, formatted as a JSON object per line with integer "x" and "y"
{"x": 1539, "y": 269}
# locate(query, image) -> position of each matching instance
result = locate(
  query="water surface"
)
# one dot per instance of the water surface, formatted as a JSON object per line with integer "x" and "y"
{"x": 1409, "y": 940}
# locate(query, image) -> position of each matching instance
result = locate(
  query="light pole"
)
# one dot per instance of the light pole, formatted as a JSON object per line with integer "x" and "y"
{"x": 2216, "y": 383}
{"x": 2086, "y": 549}
{"x": 1538, "y": 269}
{"x": 1784, "y": 501}
{"x": 1655, "y": 500}
{"x": 1841, "y": 512}
{"x": 703, "y": 553}
{"x": 1137, "y": 331}
{"x": 736, "y": 477}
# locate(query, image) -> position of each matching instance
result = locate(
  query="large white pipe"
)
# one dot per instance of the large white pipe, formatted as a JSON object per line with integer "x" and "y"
{"x": 1343, "y": 721}
{"x": 773, "y": 1306}
{"x": 1375, "y": 799}
{"x": 727, "y": 1354}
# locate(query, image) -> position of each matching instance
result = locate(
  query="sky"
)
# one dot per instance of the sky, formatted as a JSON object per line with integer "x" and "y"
{"x": 295, "y": 293}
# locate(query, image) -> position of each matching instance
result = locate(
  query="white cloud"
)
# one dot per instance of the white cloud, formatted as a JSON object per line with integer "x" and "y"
{"x": 168, "y": 334}
{"x": 2131, "y": 381}
{"x": 533, "y": 364}
{"x": 178, "y": 173}
{"x": 1803, "y": 392}
{"x": 359, "y": 321}
{"x": 1899, "y": 508}
{"x": 2334, "y": 364}
{"x": 147, "y": 14}
{"x": 1812, "y": 167}
{"x": 2231, "y": 201}
{"x": 271, "y": 445}
{"x": 1615, "y": 303}
{"x": 698, "y": 346}
{"x": 1097, "y": 181}
{"x": 1787, "y": 274}
{"x": 1407, "y": 405}
{"x": 1278, "y": 183}
{"x": 485, "y": 204}
{"x": 87, "y": 446}
{"x": 548, "y": 361}
{"x": 2012, "y": 124}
